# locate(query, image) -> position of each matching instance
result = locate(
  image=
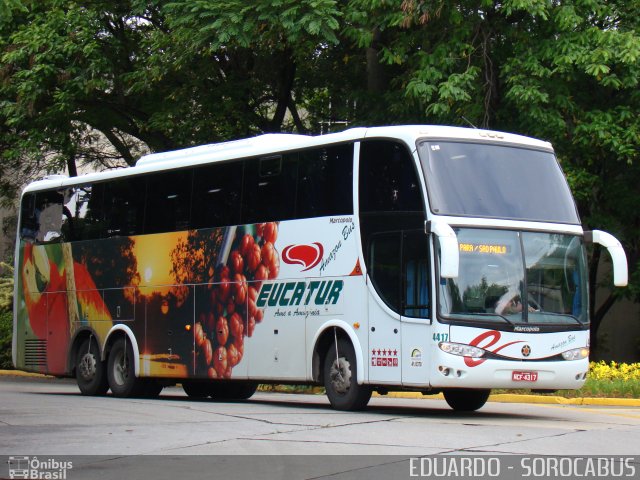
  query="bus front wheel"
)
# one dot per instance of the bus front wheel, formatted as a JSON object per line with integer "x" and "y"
{"x": 121, "y": 370}
{"x": 91, "y": 374}
{"x": 340, "y": 380}
{"x": 463, "y": 400}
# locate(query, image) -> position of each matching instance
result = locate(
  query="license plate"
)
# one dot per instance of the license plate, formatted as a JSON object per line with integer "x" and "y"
{"x": 524, "y": 376}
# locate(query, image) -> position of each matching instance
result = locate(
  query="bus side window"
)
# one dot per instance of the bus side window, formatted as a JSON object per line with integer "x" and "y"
{"x": 388, "y": 178}
{"x": 217, "y": 192}
{"x": 29, "y": 217}
{"x": 74, "y": 212}
{"x": 270, "y": 189}
{"x": 168, "y": 206}
{"x": 399, "y": 269}
{"x": 124, "y": 206}
{"x": 415, "y": 264}
{"x": 48, "y": 211}
{"x": 94, "y": 218}
{"x": 325, "y": 182}
{"x": 384, "y": 267}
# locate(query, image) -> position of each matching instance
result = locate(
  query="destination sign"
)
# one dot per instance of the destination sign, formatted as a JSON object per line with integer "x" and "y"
{"x": 484, "y": 248}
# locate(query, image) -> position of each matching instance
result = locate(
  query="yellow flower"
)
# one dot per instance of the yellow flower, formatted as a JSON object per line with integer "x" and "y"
{"x": 614, "y": 371}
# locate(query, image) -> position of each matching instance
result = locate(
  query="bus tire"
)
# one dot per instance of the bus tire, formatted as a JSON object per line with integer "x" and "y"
{"x": 91, "y": 374}
{"x": 340, "y": 379}
{"x": 121, "y": 371}
{"x": 232, "y": 390}
{"x": 466, "y": 400}
{"x": 195, "y": 389}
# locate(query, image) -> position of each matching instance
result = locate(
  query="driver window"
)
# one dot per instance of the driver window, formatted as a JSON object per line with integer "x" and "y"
{"x": 399, "y": 270}
{"x": 415, "y": 262}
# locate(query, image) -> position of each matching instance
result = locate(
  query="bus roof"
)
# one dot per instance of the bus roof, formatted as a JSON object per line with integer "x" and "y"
{"x": 280, "y": 142}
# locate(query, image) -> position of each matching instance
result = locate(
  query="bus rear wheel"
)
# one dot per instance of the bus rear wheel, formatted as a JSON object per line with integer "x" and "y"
{"x": 466, "y": 400}
{"x": 340, "y": 379}
{"x": 121, "y": 371}
{"x": 91, "y": 374}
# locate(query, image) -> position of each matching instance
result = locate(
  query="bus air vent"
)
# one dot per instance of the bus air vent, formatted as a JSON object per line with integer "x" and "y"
{"x": 35, "y": 354}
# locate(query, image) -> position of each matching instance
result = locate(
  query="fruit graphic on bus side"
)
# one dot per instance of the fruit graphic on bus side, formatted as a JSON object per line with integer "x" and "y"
{"x": 231, "y": 313}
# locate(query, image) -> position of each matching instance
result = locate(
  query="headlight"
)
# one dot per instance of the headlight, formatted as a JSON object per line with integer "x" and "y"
{"x": 461, "y": 349}
{"x": 576, "y": 354}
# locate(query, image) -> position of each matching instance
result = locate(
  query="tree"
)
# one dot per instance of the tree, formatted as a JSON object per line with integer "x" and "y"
{"x": 160, "y": 75}
{"x": 63, "y": 81}
{"x": 564, "y": 71}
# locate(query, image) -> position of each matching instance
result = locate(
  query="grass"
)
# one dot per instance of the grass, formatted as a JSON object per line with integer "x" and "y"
{"x": 594, "y": 389}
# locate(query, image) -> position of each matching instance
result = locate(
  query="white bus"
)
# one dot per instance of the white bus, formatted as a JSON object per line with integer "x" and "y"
{"x": 421, "y": 258}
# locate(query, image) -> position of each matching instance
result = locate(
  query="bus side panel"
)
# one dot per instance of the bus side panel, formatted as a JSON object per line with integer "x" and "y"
{"x": 385, "y": 352}
{"x": 30, "y": 311}
{"x": 42, "y": 309}
{"x": 415, "y": 352}
{"x": 56, "y": 296}
{"x": 319, "y": 281}
{"x": 197, "y": 301}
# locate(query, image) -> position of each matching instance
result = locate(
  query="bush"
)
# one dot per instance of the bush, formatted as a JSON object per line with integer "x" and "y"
{"x": 6, "y": 315}
{"x": 6, "y": 330}
{"x": 6, "y": 287}
{"x": 614, "y": 371}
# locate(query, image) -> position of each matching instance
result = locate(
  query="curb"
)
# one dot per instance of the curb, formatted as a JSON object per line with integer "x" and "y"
{"x": 526, "y": 398}
{"x": 19, "y": 373}
{"x": 498, "y": 398}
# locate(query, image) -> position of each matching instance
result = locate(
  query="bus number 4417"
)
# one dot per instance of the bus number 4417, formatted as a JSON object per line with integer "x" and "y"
{"x": 440, "y": 337}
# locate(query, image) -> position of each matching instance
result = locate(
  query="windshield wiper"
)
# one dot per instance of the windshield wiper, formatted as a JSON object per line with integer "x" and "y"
{"x": 493, "y": 315}
{"x": 564, "y": 315}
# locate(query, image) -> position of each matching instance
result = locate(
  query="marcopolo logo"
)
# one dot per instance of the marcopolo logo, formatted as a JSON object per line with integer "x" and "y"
{"x": 34, "y": 468}
{"x": 306, "y": 255}
{"x": 291, "y": 294}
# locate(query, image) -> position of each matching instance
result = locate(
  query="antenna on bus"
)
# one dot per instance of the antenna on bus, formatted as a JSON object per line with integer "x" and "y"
{"x": 468, "y": 121}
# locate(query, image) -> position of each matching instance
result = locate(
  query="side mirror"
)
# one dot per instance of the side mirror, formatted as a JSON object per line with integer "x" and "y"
{"x": 618, "y": 257}
{"x": 449, "y": 250}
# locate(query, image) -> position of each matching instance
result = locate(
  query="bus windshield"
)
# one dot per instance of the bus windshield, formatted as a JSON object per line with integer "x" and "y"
{"x": 517, "y": 277}
{"x": 495, "y": 181}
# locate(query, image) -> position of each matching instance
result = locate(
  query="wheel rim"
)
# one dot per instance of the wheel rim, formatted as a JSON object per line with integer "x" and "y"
{"x": 340, "y": 375}
{"x": 87, "y": 366}
{"x": 121, "y": 368}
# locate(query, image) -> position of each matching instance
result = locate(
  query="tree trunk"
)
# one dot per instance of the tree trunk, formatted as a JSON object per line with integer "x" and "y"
{"x": 285, "y": 86}
{"x": 376, "y": 76}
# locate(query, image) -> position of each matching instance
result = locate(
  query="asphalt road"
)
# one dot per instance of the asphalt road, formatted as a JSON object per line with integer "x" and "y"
{"x": 47, "y": 417}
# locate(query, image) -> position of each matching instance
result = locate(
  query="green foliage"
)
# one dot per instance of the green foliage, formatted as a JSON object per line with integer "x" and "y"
{"x": 6, "y": 288}
{"x": 6, "y": 315}
{"x": 6, "y": 332}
